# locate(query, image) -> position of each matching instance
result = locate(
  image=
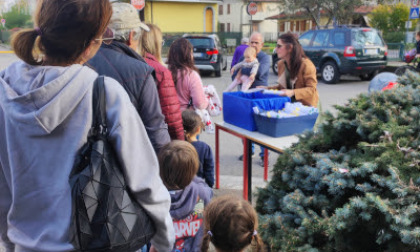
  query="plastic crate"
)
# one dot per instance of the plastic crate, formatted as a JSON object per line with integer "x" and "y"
{"x": 277, "y": 127}
{"x": 237, "y": 107}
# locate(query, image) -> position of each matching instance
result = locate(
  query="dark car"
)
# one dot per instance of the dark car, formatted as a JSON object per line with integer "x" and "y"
{"x": 209, "y": 55}
{"x": 343, "y": 49}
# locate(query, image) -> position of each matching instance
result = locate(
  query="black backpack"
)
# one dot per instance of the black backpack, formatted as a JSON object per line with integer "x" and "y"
{"x": 105, "y": 215}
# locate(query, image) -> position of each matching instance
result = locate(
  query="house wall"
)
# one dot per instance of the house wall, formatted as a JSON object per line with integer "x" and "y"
{"x": 179, "y": 17}
{"x": 239, "y": 20}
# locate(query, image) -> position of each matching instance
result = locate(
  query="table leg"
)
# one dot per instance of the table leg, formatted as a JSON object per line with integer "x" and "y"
{"x": 246, "y": 157}
{"x": 265, "y": 164}
{"x": 217, "y": 158}
{"x": 249, "y": 166}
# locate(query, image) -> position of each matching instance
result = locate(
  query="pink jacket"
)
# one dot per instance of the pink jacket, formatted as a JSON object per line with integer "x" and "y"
{"x": 191, "y": 87}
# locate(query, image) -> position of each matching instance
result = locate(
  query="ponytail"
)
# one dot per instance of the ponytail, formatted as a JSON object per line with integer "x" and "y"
{"x": 256, "y": 244}
{"x": 23, "y": 44}
{"x": 205, "y": 242}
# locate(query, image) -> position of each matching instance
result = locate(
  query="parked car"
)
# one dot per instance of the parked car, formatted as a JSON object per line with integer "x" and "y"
{"x": 343, "y": 50}
{"x": 209, "y": 55}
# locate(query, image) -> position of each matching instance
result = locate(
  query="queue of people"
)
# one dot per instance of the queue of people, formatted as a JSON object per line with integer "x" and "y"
{"x": 46, "y": 116}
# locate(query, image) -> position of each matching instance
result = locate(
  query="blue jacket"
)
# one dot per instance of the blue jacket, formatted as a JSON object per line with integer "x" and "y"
{"x": 261, "y": 79}
{"x": 123, "y": 64}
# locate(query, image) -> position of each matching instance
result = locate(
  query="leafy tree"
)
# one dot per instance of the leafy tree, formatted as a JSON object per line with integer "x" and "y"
{"x": 341, "y": 11}
{"x": 379, "y": 17}
{"x": 17, "y": 17}
{"x": 389, "y": 18}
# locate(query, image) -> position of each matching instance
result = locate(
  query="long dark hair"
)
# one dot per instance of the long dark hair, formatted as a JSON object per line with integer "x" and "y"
{"x": 64, "y": 29}
{"x": 296, "y": 55}
{"x": 180, "y": 58}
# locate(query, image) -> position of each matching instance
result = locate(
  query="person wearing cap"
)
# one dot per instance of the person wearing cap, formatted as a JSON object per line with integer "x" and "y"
{"x": 239, "y": 51}
{"x": 120, "y": 61}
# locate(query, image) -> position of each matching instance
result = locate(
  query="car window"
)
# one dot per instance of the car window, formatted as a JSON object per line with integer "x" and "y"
{"x": 321, "y": 38}
{"x": 366, "y": 37}
{"x": 305, "y": 39}
{"x": 339, "y": 38}
{"x": 201, "y": 42}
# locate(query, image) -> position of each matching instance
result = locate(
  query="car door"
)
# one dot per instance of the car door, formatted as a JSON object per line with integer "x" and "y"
{"x": 320, "y": 45}
{"x": 305, "y": 41}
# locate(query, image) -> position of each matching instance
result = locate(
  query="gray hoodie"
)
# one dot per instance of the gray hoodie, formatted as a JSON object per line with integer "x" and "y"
{"x": 187, "y": 208}
{"x": 45, "y": 116}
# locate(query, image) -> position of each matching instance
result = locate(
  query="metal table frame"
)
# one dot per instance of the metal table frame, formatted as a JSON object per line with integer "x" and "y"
{"x": 248, "y": 137}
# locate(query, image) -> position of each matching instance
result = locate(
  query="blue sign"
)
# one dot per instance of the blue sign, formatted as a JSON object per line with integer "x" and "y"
{"x": 414, "y": 13}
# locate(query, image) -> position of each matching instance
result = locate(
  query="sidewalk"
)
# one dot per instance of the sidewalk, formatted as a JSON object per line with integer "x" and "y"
{"x": 393, "y": 65}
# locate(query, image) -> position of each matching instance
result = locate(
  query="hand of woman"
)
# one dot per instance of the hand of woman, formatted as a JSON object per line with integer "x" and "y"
{"x": 262, "y": 87}
{"x": 288, "y": 92}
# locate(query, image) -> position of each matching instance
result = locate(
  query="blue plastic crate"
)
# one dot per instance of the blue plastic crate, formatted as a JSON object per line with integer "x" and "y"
{"x": 237, "y": 107}
{"x": 277, "y": 127}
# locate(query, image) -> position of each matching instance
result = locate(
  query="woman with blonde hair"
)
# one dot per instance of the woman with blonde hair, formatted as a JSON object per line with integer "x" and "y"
{"x": 151, "y": 48}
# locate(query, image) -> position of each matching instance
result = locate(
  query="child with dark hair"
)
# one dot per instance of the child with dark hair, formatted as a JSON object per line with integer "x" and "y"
{"x": 179, "y": 163}
{"x": 193, "y": 126}
{"x": 230, "y": 223}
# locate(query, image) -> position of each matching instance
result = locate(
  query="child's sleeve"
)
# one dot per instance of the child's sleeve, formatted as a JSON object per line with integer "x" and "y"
{"x": 208, "y": 167}
{"x": 255, "y": 67}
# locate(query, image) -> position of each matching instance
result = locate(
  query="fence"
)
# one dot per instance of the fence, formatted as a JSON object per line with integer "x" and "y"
{"x": 396, "y": 51}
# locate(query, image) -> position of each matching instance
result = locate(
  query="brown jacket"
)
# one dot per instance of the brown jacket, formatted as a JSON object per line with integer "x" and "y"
{"x": 304, "y": 85}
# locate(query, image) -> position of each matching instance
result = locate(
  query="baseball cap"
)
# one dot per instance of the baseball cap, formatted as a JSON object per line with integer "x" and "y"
{"x": 125, "y": 16}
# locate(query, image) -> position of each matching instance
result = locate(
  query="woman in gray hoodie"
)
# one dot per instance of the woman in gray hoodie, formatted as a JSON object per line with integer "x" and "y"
{"x": 45, "y": 117}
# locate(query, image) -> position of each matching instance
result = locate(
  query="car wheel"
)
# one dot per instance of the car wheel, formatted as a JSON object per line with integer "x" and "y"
{"x": 402, "y": 69}
{"x": 218, "y": 71}
{"x": 368, "y": 76}
{"x": 329, "y": 73}
{"x": 275, "y": 70}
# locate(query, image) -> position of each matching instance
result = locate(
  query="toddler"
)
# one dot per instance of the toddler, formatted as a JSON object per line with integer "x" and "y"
{"x": 179, "y": 163}
{"x": 230, "y": 223}
{"x": 193, "y": 127}
{"x": 247, "y": 69}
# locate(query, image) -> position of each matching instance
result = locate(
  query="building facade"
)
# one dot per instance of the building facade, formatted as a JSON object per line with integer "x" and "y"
{"x": 233, "y": 17}
{"x": 182, "y": 15}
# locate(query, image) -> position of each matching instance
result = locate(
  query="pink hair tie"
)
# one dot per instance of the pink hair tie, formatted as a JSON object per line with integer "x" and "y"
{"x": 38, "y": 30}
{"x": 210, "y": 233}
{"x": 255, "y": 233}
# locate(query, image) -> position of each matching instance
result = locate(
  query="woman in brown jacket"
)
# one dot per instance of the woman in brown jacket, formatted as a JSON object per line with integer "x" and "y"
{"x": 297, "y": 73}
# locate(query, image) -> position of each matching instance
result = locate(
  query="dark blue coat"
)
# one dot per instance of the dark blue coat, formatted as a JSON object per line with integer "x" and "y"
{"x": 123, "y": 64}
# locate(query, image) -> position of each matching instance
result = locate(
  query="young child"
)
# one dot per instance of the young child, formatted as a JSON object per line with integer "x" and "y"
{"x": 193, "y": 126}
{"x": 230, "y": 223}
{"x": 179, "y": 163}
{"x": 248, "y": 68}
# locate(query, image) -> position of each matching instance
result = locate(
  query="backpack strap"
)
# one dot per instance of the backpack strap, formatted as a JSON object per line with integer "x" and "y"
{"x": 99, "y": 127}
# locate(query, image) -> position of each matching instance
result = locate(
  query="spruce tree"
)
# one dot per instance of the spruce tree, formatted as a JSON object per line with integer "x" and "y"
{"x": 354, "y": 185}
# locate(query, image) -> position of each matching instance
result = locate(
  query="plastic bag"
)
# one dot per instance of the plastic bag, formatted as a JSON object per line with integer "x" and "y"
{"x": 215, "y": 106}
